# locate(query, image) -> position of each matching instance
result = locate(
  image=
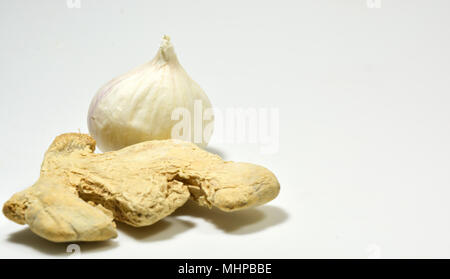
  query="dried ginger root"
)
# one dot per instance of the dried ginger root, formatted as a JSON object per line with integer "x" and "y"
{"x": 79, "y": 194}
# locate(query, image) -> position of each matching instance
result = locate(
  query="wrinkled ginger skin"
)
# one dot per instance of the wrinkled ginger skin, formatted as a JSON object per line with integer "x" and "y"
{"x": 137, "y": 185}
{"x": 55, "y": 212}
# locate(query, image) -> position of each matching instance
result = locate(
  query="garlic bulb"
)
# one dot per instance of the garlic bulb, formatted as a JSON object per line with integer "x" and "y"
{"x": 157, "y": 100}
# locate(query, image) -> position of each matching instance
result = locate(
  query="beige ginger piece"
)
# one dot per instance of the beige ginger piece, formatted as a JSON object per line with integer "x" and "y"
{"x": 79, "y": 191}
{"x": 55, "y": 212}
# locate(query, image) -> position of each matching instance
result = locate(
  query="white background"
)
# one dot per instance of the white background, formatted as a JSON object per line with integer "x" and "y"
{"x": 363, "y": 95}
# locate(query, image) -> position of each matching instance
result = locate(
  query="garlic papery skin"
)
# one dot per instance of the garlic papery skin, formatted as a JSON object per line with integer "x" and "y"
{"x": 139, "y": 105}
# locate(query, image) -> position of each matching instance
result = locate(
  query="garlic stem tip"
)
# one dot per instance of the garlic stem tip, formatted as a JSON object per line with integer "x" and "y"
{"x": 166, "y": 38}
{"x": 165, "y": 42}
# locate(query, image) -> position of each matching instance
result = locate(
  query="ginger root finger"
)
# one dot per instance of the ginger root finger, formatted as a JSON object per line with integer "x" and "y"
{"x": 243, "y": 185}
{"x": 56, "y": 213}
